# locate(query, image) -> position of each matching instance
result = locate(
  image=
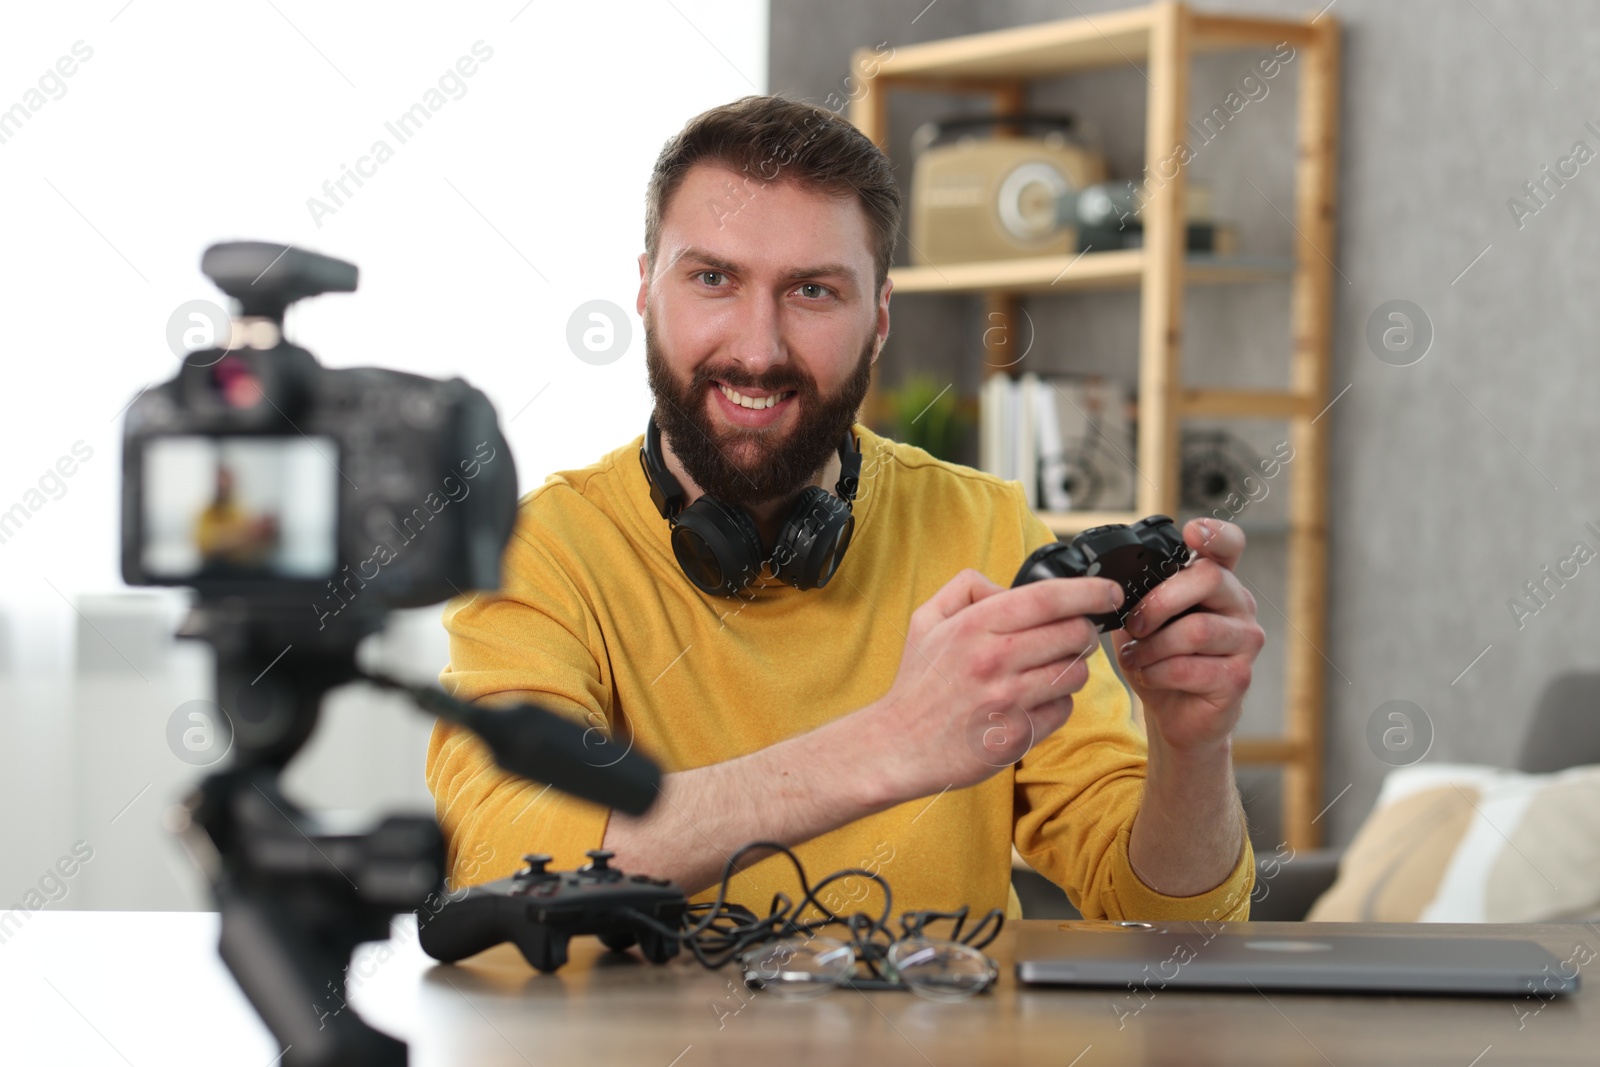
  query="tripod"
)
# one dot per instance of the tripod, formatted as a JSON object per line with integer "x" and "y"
{"x": 295, "y": 900}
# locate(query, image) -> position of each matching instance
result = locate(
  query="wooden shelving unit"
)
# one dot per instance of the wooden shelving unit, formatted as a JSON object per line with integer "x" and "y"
{"x": 1162, "y": 38}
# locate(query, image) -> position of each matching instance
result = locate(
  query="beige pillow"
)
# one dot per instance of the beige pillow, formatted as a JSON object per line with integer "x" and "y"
{"x": 1460, "y": 843}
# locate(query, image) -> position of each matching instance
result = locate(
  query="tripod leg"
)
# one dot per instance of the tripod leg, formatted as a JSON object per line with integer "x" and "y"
{"x": 287, "y": 975}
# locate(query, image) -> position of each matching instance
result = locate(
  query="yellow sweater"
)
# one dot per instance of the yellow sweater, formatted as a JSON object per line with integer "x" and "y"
{"x": 597, "y": 621}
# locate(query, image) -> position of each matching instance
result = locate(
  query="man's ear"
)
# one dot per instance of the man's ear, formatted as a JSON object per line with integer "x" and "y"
{"x": 883, "y": 319}
{"x": 644, "y": 282}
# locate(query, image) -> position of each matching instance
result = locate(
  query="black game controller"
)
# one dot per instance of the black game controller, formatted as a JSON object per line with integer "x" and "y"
{"x": 539, "y": 911}
{"x": 1138, "y": 557}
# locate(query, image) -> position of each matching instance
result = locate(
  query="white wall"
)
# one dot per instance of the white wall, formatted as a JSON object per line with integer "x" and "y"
{"x": 519, "y": 199}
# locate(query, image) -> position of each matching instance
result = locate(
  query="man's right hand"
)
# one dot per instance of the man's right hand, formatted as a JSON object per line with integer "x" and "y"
{"x": 986, "y": 672}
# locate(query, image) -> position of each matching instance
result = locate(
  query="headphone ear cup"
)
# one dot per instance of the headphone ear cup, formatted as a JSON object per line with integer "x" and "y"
{"x": 718, "y": 546}
{"x": 813, "y": 539}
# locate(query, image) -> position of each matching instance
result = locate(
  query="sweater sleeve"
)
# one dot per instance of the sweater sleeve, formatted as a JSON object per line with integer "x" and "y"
{"x": 1076, "y": 795}
{"x": 533, "y": 641}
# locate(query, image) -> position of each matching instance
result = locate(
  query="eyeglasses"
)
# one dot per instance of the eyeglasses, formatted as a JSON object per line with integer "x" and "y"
{"x": 785, "y": 953}
{"x": 937, "y": 968}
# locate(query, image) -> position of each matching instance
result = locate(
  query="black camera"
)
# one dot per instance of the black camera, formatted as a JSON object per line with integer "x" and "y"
{"x": 313, "y": 494}
{"x": 303, "y": 504}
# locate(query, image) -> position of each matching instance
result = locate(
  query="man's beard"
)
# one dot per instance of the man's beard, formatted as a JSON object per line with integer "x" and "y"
{"x": 778, "y": 461}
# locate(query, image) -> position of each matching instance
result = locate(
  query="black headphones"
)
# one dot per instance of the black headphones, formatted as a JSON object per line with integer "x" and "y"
{"x": 718, "y": 546}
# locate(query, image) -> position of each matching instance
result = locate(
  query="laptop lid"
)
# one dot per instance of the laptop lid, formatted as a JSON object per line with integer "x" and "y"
{"x": 1236, "y": 956}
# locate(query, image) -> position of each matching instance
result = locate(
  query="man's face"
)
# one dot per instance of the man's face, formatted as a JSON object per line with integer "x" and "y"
{"x": 766, "y": 290}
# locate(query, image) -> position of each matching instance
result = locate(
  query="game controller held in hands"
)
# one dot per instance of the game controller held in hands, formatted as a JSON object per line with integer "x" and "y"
{"x": 539, "y": 911}
{"x": 1138, "y": 557}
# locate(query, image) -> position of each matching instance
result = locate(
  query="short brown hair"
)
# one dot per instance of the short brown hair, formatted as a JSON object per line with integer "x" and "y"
{"x": 769, "y": 138}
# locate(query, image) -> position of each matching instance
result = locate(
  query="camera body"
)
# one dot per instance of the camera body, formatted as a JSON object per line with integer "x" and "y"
{"x": 311, "y": 495}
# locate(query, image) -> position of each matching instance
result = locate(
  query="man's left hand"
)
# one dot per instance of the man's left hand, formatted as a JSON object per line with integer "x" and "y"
{"x": 1192, "y": 675}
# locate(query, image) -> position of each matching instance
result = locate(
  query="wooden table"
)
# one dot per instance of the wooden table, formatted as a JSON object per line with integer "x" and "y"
{"x": 146, "y": 988}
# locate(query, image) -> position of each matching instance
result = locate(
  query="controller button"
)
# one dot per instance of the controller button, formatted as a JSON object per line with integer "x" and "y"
{"x": 536, "y": 862}
{"x": 600, "y": 857}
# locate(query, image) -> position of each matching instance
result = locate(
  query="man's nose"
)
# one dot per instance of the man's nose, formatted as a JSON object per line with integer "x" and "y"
{"x": 757, "y": 341}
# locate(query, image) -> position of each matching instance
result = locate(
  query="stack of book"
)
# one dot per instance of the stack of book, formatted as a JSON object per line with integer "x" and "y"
{"x": 1068, "y": 440}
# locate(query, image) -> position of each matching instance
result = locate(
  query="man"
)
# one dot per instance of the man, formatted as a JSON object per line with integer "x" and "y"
{"x": 912, "y": 716}
{"x": 230, "y": 536}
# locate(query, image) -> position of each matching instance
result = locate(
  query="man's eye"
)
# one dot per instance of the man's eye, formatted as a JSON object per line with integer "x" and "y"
{"x": 812, "y": 290}
{"x": 713, "y": 278}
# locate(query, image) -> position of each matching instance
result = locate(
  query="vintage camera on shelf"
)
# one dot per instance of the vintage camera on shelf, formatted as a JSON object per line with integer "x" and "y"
{"x": 1109, "y": 216}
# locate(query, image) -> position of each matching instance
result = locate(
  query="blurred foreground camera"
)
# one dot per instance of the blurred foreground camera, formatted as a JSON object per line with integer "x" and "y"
{"x": 302, "y": 504}
{"x": 314, "y": 493}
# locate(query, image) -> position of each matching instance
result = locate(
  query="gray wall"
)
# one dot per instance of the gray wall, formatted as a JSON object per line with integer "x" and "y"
{"x": 1452, "y": 481}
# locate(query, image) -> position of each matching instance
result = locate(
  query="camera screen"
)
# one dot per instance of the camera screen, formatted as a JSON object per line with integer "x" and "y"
{"x": 240, "y": 507}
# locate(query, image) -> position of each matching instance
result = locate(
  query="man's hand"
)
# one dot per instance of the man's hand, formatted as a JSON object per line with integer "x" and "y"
{"x": 986, "y": 672}
{"x": 1192, "y": 675}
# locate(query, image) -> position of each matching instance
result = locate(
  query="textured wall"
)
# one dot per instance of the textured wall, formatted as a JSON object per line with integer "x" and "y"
{"x": 1454, "y": 480}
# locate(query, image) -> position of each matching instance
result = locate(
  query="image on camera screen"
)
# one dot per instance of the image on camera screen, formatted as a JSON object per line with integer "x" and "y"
{"x": 240, "y": 507}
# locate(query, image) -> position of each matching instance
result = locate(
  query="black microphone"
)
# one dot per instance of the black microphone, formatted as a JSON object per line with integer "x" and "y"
{"x": 539, "y": 744}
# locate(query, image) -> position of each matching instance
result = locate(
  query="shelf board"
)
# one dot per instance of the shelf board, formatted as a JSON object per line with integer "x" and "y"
{"x": 1121, "y": 269}
{"x": 1028, "y": 51}
{"x": 1060, "y": 47}
{"x": 1242, "y": 404}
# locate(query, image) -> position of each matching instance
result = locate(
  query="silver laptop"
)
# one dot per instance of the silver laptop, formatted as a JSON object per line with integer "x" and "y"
{"x": 1151, "y": 956}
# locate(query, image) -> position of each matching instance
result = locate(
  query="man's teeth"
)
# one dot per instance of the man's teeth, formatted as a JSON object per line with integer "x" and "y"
{"x": 754, "y": 403}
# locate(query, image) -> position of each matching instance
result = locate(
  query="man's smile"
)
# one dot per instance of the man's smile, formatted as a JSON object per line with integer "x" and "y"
{"x": 752, "y": 409}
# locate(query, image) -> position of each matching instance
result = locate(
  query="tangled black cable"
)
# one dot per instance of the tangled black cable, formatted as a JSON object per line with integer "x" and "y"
{"x": 718, "y": 932}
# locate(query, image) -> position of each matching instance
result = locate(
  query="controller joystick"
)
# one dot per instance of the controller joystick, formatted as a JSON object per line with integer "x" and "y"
{"x": 540, "y": 911}
{"x": 535, "y": 869}
{"x": 1137, "y": 557}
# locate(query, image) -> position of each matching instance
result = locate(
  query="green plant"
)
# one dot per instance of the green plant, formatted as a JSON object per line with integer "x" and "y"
{"x": 930, "y": 414}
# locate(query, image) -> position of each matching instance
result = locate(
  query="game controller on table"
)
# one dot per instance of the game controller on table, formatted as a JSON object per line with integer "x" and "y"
{"x": 540, "y": 911}
{"x": 1137, "y": 557}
